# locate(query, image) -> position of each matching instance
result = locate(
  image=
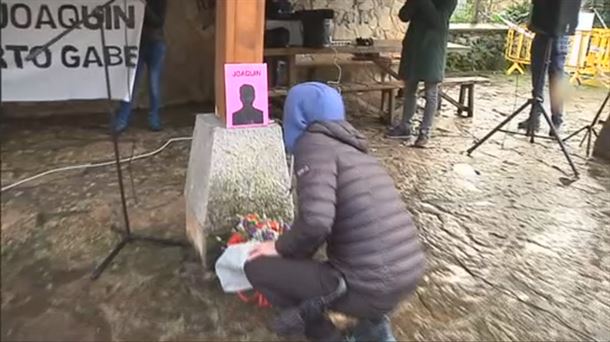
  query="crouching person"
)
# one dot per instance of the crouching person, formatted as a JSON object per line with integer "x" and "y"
{"x": 347, "y": 201}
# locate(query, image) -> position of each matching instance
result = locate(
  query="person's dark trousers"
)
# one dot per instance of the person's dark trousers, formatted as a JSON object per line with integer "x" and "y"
{"x": 559, "y": 50}
{"x": 152, "y": 57}
{"x": 288, "y": 282}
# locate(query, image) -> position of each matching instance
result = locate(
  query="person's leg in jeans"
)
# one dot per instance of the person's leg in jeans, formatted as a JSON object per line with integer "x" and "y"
{"x": 430, "y": 109}
{"x": 155, "y": 69}
{"x": 538, "y": 63}
{"x": 287, "y": 283}
{"x": 403, "y": 130}
{"x": 123, "y": 115}
{"x": 556, "y": 74}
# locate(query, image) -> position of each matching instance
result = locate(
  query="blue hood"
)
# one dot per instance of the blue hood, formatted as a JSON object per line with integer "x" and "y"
{"x": 307, "y": 103}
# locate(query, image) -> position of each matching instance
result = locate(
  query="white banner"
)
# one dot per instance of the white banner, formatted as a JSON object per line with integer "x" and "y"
{"x": 73, "y": 67}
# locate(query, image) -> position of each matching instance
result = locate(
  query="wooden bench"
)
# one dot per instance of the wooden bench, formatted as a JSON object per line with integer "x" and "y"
{"x": 350, "y": 87}
{"x": 347, "y": 87}
{"x": 389, "y": 89}
{"x": 464, "y": 103}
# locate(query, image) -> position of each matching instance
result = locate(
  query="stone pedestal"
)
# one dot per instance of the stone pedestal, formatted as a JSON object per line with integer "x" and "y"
{"x": 602, "y": 145}
{"x": 233, "y": 172}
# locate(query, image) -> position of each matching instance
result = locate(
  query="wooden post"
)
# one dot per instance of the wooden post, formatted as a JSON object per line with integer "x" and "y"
{"x": 240, "y": 29}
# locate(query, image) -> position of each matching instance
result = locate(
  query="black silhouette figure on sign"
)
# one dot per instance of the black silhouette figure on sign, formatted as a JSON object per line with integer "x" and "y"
{"x": 248, "y": 114}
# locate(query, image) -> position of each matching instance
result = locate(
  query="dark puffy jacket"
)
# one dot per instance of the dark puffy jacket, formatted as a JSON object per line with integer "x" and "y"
{"x": 348, "y": 200}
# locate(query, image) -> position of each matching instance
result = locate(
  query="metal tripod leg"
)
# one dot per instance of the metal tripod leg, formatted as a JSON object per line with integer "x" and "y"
{"x": 97, "y": 271}
{"x": 127, "y": 239}
{"x": 576, "y": 133}
{"x": 590, "y": 128}
{"x": 499, "y": 127}
{"x": 561, "y": 144}
{"x": 536, "y": 104}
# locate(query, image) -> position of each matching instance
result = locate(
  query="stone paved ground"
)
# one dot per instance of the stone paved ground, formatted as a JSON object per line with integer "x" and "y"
{"x": 515, "y": 250}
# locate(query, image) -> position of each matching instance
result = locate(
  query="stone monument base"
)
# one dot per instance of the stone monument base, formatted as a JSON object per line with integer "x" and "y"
{"x": 233, "y": 172}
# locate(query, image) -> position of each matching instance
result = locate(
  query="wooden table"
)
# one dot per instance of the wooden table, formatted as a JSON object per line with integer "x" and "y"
{"x": 371, "y": 53}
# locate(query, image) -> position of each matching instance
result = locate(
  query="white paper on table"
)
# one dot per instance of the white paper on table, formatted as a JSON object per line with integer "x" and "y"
{"x": 230, "y": 268}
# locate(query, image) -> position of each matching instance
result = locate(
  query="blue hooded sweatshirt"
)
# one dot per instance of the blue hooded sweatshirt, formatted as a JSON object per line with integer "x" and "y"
{"x": 307, "y": 103}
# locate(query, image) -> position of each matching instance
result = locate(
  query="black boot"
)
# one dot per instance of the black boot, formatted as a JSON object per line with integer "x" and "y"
{"x": 373, "y": 330}
{"x": 323, "y": 330}
{"x": 557, "y": 123}
{"x": 525, "y": 125}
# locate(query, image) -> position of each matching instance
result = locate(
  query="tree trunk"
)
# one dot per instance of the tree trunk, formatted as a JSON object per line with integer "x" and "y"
{"x": 476, "y": 10}
{"x": 602, "y": 145}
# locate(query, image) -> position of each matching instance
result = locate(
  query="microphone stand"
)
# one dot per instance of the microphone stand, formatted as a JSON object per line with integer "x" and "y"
{"x": 536, "y": 104}
{"x": 127, "y": 236}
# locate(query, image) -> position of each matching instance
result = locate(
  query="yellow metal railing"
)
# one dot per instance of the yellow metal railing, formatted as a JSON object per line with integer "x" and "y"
{"x": 588, "y": 58}
{"x": 517, "y": 51}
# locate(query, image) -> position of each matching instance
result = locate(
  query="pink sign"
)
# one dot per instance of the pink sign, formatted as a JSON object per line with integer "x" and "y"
{"x": 246, "y": 95}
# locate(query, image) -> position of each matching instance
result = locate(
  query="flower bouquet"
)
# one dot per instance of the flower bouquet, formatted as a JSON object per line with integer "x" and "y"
{"x": 250, "y": 230}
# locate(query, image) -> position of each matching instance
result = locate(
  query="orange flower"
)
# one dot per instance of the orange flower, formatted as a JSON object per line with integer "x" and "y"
{"x": 251, "y": 217}
{"x": 274, "y": 226}
{"x": 235, "y": 239}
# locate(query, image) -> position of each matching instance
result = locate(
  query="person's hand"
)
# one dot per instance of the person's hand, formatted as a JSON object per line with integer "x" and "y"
{"x": 263, "y": 249}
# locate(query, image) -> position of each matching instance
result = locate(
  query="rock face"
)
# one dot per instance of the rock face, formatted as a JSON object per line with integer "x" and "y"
{"x": 233, "y": 172}
{"x": 361, "y": 18}
{"x": 602, "y": 145}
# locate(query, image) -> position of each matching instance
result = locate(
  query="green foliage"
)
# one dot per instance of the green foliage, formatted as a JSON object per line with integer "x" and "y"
{"x": 518, "y": 12}
{"x": 486, "y": 53}
{"x": 463, "y": 14}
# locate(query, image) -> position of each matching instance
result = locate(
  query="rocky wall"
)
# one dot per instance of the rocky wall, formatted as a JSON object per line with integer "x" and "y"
{"x": 486, "y": 51}
{"x": 361, "y": 18}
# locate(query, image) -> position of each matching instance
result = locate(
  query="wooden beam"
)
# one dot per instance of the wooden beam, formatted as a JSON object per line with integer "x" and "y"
{"x": 240, "y": 29}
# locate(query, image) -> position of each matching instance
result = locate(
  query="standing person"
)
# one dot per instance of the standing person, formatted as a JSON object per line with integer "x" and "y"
{"x": 555, "y": 69}
{"x": 423, "y": 59}
{"x": 152, "y": 56}
{"x": 346, "y": 200}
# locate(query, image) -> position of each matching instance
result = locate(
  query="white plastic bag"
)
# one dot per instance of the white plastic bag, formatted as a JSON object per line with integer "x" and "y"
{"x": 230, "y": 267}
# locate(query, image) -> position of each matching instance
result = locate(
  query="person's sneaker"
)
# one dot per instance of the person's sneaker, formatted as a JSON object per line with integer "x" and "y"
{"x": 557, "y": 129}
{"x": 557, "y": 122}
{"x": 119, "y": 128}
{"x": 422, "y": 141}
{"x": 155, "y": 125}
{"x": 398, "y": 132}
{"x": 525, "y": 125}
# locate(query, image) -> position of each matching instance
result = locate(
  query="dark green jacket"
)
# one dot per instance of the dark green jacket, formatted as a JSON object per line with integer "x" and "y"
{"x": 424, "y": 48}
{"x": 154, "y": 21}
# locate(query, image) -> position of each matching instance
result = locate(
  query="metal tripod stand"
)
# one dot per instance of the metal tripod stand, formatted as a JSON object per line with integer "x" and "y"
{"x": 590, "y": 128}
{"x": 127, "y": 236}
{"x": 536, "y": 107}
